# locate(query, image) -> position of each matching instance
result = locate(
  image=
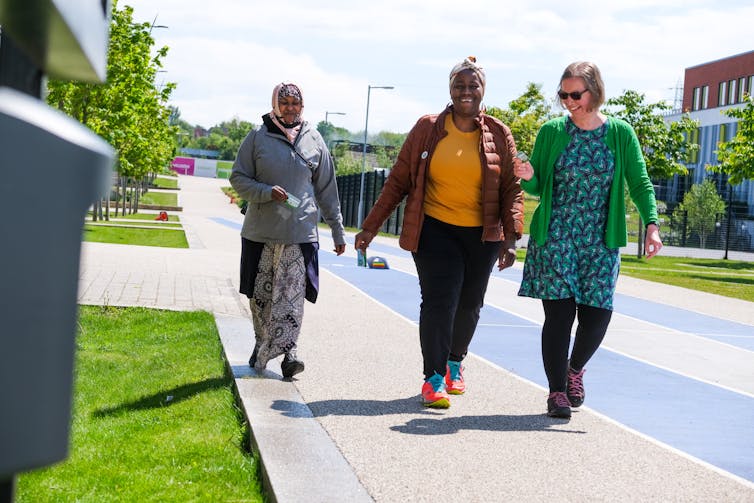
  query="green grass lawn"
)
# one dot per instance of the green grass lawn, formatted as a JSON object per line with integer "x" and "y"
{"x": 159, "y": 198}
{"x": 154, "y": 415}
{"x": 172, "y": 217}
{"x": 148, "y": 219}
{"x": 140, "y": 219}
{"x": 162, "y": 182}
{"x": 143, "y": 237}
{"x": 730, "y": 278}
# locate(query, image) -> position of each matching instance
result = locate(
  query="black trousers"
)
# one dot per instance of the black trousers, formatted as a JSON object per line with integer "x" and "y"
{"x": 556, "y": 337}
{"x": 453, "y": 265}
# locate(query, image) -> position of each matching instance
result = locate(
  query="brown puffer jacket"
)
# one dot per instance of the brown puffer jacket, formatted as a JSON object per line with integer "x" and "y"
{"x": 502, "y": 197}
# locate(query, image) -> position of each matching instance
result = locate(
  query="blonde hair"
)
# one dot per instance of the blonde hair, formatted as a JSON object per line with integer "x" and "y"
{"x": 590, "y": 74}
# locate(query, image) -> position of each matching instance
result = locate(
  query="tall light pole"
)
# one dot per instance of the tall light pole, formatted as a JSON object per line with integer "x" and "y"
{"x": 332, "y": 113}
{"x": 727, "y": 223}
{"x": 360, "y": 216}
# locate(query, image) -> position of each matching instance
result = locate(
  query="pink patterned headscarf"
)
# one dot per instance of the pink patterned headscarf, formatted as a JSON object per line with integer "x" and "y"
{"x": 284, "y": 90}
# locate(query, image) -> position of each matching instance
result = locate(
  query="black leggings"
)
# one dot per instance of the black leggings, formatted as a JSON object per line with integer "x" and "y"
{"x": 556, "y": 337}
{"x": 454, "y": 266}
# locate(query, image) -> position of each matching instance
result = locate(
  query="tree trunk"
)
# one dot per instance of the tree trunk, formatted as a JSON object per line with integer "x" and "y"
{"x": 138, "y": 184}
{"x": 130, "y": 185}
{"x": 124, "y": 187}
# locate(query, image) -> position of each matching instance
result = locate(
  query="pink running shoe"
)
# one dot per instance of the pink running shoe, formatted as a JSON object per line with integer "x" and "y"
{"x": 454, "y": 382}
{"x": 434, "y": 394}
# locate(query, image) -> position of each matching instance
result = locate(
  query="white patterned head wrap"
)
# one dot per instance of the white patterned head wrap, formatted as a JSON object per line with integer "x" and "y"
{"x": 468, "y": 64}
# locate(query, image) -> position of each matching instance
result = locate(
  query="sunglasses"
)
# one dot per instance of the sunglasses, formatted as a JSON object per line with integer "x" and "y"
{"x": 576, "y": 95}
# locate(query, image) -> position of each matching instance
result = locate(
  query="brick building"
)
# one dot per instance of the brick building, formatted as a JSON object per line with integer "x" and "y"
{"x": 708, "y": 90}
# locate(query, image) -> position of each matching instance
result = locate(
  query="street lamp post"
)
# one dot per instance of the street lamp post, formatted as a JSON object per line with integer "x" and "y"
{"x": 332, "y": 113}
{"x": 360, "y": 216}
{"x": 727, "y": 223}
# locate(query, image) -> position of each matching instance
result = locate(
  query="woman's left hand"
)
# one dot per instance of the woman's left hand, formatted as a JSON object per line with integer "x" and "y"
{"x": 522, "y": 170}
{"x": 507, "y": 255}
{"x": 652, "y": 241}
{"x": 339, "y": 249}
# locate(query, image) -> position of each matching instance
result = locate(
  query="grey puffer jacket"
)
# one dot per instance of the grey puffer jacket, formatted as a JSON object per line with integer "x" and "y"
{"x": 304, "y": 169}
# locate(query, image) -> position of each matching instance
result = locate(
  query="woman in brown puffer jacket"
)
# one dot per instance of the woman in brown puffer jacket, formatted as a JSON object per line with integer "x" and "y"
{"x": 464, "y": 211}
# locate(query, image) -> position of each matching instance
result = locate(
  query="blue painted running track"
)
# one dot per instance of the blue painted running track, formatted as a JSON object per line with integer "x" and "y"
{"x": 710, "y": 423}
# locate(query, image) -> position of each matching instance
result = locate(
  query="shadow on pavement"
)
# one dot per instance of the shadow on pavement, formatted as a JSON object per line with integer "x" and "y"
{"x": 500, "y": 422}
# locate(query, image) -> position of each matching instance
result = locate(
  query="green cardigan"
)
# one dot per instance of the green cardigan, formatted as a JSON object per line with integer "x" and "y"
{"x": 630, "y": 168}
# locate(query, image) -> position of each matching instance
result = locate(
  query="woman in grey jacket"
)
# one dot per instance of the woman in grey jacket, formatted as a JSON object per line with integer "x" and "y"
{"x": 286, "y": 174}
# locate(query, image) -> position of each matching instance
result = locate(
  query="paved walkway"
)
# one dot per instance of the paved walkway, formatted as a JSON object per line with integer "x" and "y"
{"x": 351, "y": 427}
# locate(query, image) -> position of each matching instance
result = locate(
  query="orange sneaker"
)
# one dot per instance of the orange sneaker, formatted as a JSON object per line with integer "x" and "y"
{"x": 454, "y": 382}
{"x": 434, "y": 394}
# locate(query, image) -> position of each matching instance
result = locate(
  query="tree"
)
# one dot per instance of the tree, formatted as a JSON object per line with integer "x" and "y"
{"x": 346, "y": 163}
{"x": 525, "y": 116}
{"x": 702, "y": 205}
{"x": 128, "y": 110}
{"x": 184, "y": 130}
{"x": 665, "y": 147}
{"x": 737, "y": 156}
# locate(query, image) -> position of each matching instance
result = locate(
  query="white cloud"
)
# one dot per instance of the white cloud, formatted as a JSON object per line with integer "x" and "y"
{"x": 227, "y": 55}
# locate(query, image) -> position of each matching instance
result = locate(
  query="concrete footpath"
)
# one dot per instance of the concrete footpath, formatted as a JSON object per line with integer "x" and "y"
{"x": 351, "y": 427}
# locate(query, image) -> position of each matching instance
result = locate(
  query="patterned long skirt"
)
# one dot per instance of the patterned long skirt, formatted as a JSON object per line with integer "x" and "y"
{"x": 277, "y": 306}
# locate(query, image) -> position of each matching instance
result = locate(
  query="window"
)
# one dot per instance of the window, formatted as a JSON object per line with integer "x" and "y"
{"x": 731, "y": 92}
{"x": 697, "y": 97}
{"x": 705, "y": 97}
{"x": 722, "y": 93}
{"x": 751, "y": 85}
{"x": 694, "y": 140}
{"x": 741, "y": 89}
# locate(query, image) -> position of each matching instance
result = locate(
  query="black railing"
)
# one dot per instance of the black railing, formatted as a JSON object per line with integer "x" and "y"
{"x": 734, "y": 235}
{"x": 348, "y": 189}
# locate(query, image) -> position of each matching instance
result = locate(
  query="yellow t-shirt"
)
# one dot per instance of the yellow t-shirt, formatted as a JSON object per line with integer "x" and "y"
{"x": 454, "y": 182}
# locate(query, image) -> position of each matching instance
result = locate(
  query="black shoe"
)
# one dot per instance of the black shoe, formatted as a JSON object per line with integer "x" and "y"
{"x": 558, "y": 405}
{"x": 291, "y": 365}
{"x": 575, "y": 387}
{"x": 253, "y": 359}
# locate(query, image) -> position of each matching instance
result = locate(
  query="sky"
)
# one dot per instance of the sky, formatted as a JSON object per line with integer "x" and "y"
{"x": 226, "y": 56}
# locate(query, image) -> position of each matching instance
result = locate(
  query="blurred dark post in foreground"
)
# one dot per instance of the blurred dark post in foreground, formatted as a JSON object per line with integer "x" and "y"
{"x": 51, "y": 170}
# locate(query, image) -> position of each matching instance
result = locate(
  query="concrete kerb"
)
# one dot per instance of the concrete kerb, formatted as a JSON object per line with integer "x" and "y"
{"x": 299, "y": 461}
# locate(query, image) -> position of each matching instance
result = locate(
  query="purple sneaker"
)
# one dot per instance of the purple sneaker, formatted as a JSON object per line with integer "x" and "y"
{"x": 558, "y": 405}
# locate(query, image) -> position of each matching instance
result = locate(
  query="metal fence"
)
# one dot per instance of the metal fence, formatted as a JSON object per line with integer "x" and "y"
{"x": 348, "y": 189}
{"x": 729, "y": 233}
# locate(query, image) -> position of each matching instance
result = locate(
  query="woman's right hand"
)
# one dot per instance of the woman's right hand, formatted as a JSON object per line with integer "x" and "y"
{"x": 362, "y": 240}
{"x": 523, "y": 170}
{"x": 279, "y": 194}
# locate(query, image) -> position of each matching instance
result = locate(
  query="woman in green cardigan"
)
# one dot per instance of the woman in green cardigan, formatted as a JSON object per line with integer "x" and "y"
{"x": 579, "y": 168}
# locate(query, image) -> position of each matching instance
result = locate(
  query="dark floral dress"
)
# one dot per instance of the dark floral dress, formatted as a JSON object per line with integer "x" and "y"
{"x": 574, "y": 261}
